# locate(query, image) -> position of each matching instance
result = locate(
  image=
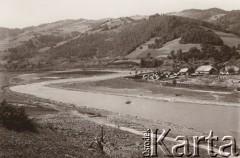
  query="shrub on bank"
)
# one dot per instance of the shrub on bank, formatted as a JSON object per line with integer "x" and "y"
{"x": 15, "y": 118}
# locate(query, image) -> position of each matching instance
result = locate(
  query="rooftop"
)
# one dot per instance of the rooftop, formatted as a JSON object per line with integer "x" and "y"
{"x": 183, "y": 70}
{"x": 204, "y": 68}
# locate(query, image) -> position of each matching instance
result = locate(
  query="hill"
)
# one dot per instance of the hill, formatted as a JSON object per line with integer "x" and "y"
{"x": 231, "y": 20}
{"x": 66, "y": 29}
{"x": 12, "y": 38}
{"x": 76, "y": 42}
{"x": 228, "y": 19}
{"x": 6, "y": 32}
{"x": 205, "y": 15}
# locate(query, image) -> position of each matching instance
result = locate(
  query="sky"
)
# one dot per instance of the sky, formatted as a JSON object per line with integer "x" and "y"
{"x": 23, "y": 13}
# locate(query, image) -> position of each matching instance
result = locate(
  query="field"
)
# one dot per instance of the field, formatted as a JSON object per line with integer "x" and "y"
{"x": 229, "y": 39}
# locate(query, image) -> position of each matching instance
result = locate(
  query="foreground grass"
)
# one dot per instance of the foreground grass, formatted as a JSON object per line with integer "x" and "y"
{"x": 63, "y": 134}
{"x": 45, "y": 144}
{"x": 23, "y": 137}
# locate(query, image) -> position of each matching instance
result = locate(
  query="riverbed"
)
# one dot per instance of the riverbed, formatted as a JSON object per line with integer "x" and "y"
{"x": 223, "y": 120}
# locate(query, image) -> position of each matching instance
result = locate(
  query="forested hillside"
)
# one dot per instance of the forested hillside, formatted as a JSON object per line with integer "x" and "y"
{"x": 199, "y": 35}
{"x": 166, "y": 28}
{"x": 231, "y": 20}
{"x": 101, "y": 43}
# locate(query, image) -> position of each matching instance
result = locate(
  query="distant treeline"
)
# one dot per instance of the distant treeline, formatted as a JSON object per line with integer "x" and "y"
{"x": 150, "y": 62}
{"x": 199, "y": 35}
{"x": 218, "y": 54}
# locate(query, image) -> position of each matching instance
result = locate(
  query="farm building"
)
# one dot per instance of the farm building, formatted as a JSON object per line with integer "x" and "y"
{"x": 229, "y": 70}
{"x": 206, "y": 69}
{"x": 184, "y": 71}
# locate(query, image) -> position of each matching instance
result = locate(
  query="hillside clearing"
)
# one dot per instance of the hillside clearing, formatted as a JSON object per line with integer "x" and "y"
{"x": 229, "y": 38}
{"x": 162, "y": 52}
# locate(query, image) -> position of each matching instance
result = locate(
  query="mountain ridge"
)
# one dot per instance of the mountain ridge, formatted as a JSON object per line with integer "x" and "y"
{"x": 71, "y": 41}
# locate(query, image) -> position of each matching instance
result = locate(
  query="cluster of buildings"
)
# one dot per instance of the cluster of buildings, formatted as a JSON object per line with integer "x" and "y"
{"x": 202, "y": 70}
{"x": 208, "y": 69}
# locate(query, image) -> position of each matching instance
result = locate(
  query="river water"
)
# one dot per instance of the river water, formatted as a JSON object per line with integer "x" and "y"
{"x": 223, "y": 120}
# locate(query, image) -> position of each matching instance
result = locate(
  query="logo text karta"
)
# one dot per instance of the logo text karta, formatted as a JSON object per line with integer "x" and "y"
{"x": 155, "y": 143}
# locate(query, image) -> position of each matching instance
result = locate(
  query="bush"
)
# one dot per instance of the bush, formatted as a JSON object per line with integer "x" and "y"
{"x": 231, "y": 71}
{"x": 15, "y": 118}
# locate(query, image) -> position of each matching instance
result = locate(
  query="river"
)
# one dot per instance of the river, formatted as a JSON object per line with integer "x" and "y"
{"x": 223, "y": 120}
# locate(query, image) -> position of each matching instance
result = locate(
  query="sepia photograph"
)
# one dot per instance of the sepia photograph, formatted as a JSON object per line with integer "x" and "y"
{"x": 119, "y": 78}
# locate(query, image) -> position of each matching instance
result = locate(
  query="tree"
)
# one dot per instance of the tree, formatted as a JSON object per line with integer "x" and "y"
{"x": 172, "y": 53}
{"x": 234, "y": 49}
{"x": 142, "y": 63}
{"x": 191, "y": 70}
{"x": 179, "y": 55}
{"x": 231, "y": 71}
{"x": 148, "y": 55}
{"x": 15, "y": 118}
{"x": 174, "y": 82}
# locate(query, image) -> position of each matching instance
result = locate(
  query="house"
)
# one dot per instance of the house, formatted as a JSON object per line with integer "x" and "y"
{"x": 229, "y": 70}
{"x": 184, "y": 71}
{"x": 206, "y": 69}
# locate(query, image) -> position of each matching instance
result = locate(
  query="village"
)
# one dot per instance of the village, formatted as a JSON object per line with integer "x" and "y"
{"x": 205, "y": 75}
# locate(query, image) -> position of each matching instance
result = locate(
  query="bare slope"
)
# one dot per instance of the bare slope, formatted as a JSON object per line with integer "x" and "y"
{"x": 229, "y": 38}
